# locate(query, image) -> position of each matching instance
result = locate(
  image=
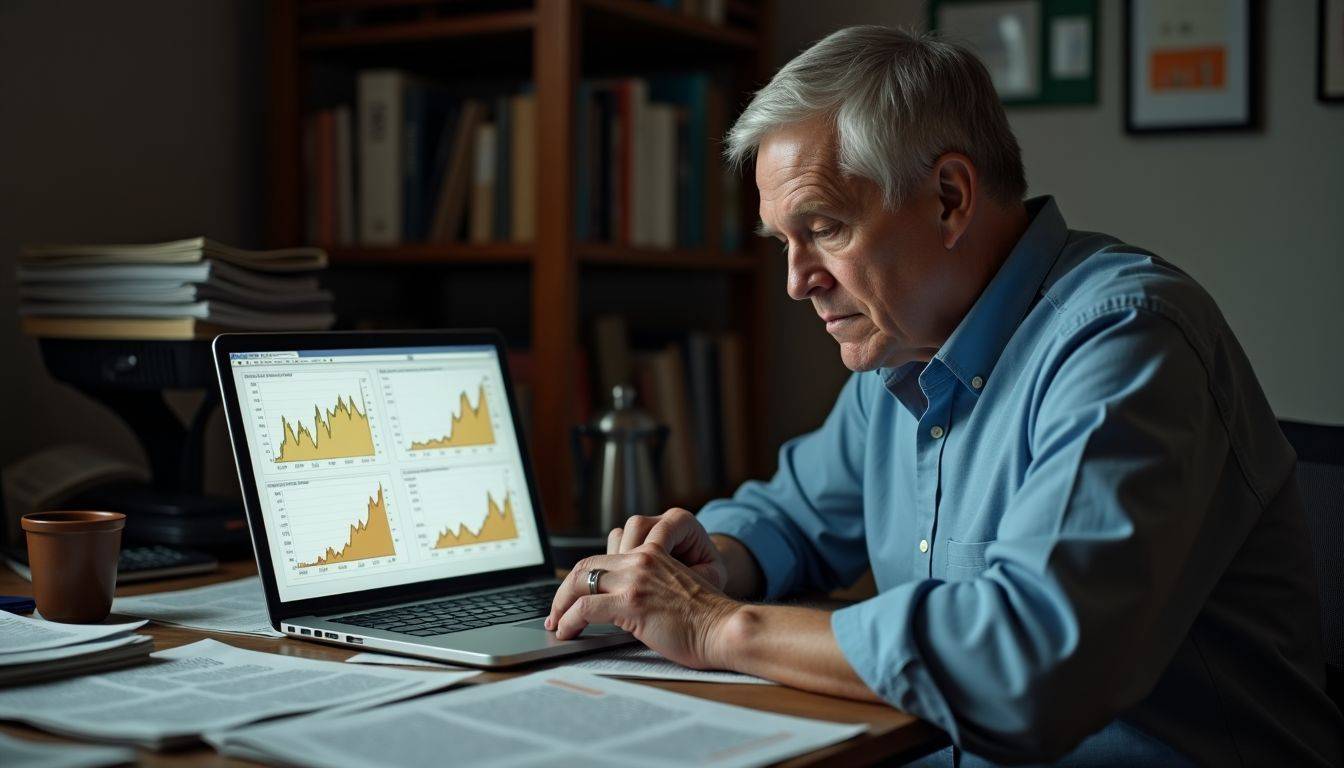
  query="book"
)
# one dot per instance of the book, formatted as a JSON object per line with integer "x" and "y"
{"x": 171, "y": 292}
{"x": 482, "y": 223}
{"x": 523, "y": 168}
{"x": 656, "y": 211}
{"x": 450, "y": 207}
{"x": 221, "y": 312}
{"x": 661, "y": 379}
{"x": 186, "y": 251}
{"x": 345, "y": 176}
{"x": 693, "y": 93}
{"x": 379, "y": 95}
{"x": 702, "y": 376}
{"x": 416, "y": 148}
{"x": 159, "y": 328}
{"x": 503, "y": 216}
{"x": 201, "y": 272}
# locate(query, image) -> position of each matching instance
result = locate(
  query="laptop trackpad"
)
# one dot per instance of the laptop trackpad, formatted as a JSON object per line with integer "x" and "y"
{"x": 592, "y": 630}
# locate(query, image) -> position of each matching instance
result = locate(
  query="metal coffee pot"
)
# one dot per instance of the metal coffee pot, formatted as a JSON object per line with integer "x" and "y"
{"x": 620, "y": 467}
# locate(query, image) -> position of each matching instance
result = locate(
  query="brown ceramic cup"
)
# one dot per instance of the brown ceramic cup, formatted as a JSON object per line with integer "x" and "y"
{"x": 73, "y": 559}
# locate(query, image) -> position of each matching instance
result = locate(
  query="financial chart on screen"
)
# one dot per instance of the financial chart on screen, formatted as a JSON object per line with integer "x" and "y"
{"x": 380, "y": 467}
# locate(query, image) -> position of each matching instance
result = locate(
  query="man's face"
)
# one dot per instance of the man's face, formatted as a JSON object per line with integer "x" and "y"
{"x": 881, "y": 280}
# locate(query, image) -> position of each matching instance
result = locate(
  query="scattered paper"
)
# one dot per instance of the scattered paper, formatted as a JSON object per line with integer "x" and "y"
{"x": 70, "y": 651}
{"x": 398, "y": 661}
{"x": 641, "y": 662}
{"x": 206, "y": 686}
{"x": 234, "y": 607}
{"x": 17, "y": 753}
{"x": 20, "y": 633}
{"x": 553, "y": 717}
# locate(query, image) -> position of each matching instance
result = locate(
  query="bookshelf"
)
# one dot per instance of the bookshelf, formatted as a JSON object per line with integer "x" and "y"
{"x": 554, "y": 44}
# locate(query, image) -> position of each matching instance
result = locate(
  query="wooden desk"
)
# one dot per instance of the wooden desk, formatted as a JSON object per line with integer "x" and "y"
{"x": 892, "y": 735}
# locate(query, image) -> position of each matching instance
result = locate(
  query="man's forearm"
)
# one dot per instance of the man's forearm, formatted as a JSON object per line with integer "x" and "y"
{"x": 745, "y": 579}
{"x": 790, "y": 645}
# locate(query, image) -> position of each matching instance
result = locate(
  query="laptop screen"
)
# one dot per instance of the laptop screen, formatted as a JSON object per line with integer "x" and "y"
{"x": 383, "y": 467}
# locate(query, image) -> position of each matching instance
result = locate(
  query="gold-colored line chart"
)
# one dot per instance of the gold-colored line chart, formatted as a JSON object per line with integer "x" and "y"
{"x": 443, "y": 413}
{"x": 316, "y": 423}
{"x": 337, "y": 525}
{"x": 466, "y": 510}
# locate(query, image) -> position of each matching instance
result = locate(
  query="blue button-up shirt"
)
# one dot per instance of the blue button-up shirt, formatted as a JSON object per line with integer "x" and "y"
{"x": 1081, "y": 516}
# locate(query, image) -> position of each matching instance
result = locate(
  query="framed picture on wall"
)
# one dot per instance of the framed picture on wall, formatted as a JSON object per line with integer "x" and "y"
{"x": 1190, "y": 65}
{"x": 1330, "y": 52}
{"x": 1036, "y": 51}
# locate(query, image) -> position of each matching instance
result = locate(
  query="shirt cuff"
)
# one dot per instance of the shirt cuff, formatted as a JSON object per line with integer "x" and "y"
{"x": 878, "y": 638}
{"x": 761, "y": 537}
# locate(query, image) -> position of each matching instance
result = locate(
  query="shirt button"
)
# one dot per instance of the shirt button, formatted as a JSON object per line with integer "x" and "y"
{"x": 936, "y": 432}
{"x": 923, "y": 545}
{"x": 977, "y": 382}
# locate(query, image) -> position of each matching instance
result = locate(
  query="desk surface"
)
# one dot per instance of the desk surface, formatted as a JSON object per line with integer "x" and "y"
{"x": 891, "y": 733}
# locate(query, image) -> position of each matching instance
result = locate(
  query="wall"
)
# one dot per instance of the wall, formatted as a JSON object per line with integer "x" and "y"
{"x": 124, "y": 122}
{"x": 1257, "y": 218}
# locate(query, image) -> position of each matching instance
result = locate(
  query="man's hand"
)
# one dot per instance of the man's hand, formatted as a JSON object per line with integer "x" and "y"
{"x": 664, "y": 603}
{"x": 677, "y": 533}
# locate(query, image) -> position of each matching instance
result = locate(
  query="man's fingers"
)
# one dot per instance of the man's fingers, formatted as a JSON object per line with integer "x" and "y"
{"x": 673, "y": 528}
{"x": 588, "y": 609}
{"x": 614, "y": 541}
{"x": 636, "y": 528}
{"x": 575, "y": 584}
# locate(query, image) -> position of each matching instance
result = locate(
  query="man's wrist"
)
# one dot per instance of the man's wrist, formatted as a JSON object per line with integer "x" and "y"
{"x": 745, "y": 580}
{"x": 730, "y": 638}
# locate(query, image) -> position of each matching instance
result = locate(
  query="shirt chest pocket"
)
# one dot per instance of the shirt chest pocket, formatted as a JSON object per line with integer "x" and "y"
{"x": 965, "y": 559}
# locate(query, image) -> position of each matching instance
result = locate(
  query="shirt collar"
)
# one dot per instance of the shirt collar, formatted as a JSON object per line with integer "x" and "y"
{"x": 974, "y": 347}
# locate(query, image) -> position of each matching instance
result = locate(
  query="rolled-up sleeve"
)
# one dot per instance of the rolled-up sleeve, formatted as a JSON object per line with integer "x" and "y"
{"x": 1103, "y": 556}
{"x": 805, "y": 527}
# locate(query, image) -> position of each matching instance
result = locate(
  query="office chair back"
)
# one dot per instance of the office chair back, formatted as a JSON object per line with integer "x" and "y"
{"x": 1320, "y": 475}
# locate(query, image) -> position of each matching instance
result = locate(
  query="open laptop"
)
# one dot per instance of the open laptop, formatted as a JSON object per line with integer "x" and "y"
{"x": 390, "y": 499}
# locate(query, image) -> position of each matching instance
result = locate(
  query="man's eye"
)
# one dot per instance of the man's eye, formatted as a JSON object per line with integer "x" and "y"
{"x": 824, "y": 231}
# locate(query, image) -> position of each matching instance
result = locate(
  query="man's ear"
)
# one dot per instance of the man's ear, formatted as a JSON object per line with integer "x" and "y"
{"x": 958, "y": 187}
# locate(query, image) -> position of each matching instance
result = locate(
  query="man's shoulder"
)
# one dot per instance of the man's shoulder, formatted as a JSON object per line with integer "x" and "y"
{"x": 1098, "y": 275}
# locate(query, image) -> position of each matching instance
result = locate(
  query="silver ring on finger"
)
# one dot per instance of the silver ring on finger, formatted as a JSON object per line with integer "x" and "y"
{"x": 593, "y": 576}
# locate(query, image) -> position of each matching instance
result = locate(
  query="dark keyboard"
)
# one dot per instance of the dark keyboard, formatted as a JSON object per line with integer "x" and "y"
{"x": 459, "y": 613}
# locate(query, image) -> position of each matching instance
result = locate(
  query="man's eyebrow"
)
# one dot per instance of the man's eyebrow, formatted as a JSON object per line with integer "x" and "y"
{"x": 805, "y": 208}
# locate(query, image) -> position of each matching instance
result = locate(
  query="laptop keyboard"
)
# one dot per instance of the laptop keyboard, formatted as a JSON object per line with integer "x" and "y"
{"x": 459, "y": 613}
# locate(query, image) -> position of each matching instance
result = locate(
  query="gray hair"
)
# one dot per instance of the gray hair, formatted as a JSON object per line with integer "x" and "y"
{"x": 898, "y": 100}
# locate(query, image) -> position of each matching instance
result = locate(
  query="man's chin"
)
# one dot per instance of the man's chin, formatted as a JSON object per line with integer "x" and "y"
{"x": 858, "y": 358}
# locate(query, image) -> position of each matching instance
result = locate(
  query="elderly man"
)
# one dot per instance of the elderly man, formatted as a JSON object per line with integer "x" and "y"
{"x": 1080, "y": 512}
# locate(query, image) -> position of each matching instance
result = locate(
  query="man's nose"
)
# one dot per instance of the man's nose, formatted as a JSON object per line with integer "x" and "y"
{"x": 806, "y": 276}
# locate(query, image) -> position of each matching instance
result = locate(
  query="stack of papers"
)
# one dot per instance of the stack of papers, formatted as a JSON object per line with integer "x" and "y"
{"x": 178, "y": 289}
{"x": 34, "y": 649}
{"x": 205, "y": 687}
{"x": 16, "y": 753}
{"x": 236, "y": 607}
{"x": 553, "y": 717}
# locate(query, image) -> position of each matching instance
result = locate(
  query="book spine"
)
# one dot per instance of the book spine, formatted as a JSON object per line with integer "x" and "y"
{"x": 345, "y": 176}
{"x": 503, "y": 173}
{"x": 523, "y": 159}
{"x": 380, "y": 155}
{"x": 413, "y": 167}
{"x": 483, "y": 185}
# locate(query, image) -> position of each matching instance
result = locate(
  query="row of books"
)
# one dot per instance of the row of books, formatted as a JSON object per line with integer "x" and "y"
{"x": 181, "y": 289}
{"x": 416, "y": 162}
{"x": 696, "y": 386}
{"x": 647, "y": 169}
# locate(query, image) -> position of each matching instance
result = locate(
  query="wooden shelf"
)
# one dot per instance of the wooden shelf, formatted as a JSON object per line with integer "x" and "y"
{"x": 595, "y": 254}
{"x": 606, "y": 254}
{"x": 632, "y": 14}
{"x": 434, "y": 253}
{"x": 420, "y": 30}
